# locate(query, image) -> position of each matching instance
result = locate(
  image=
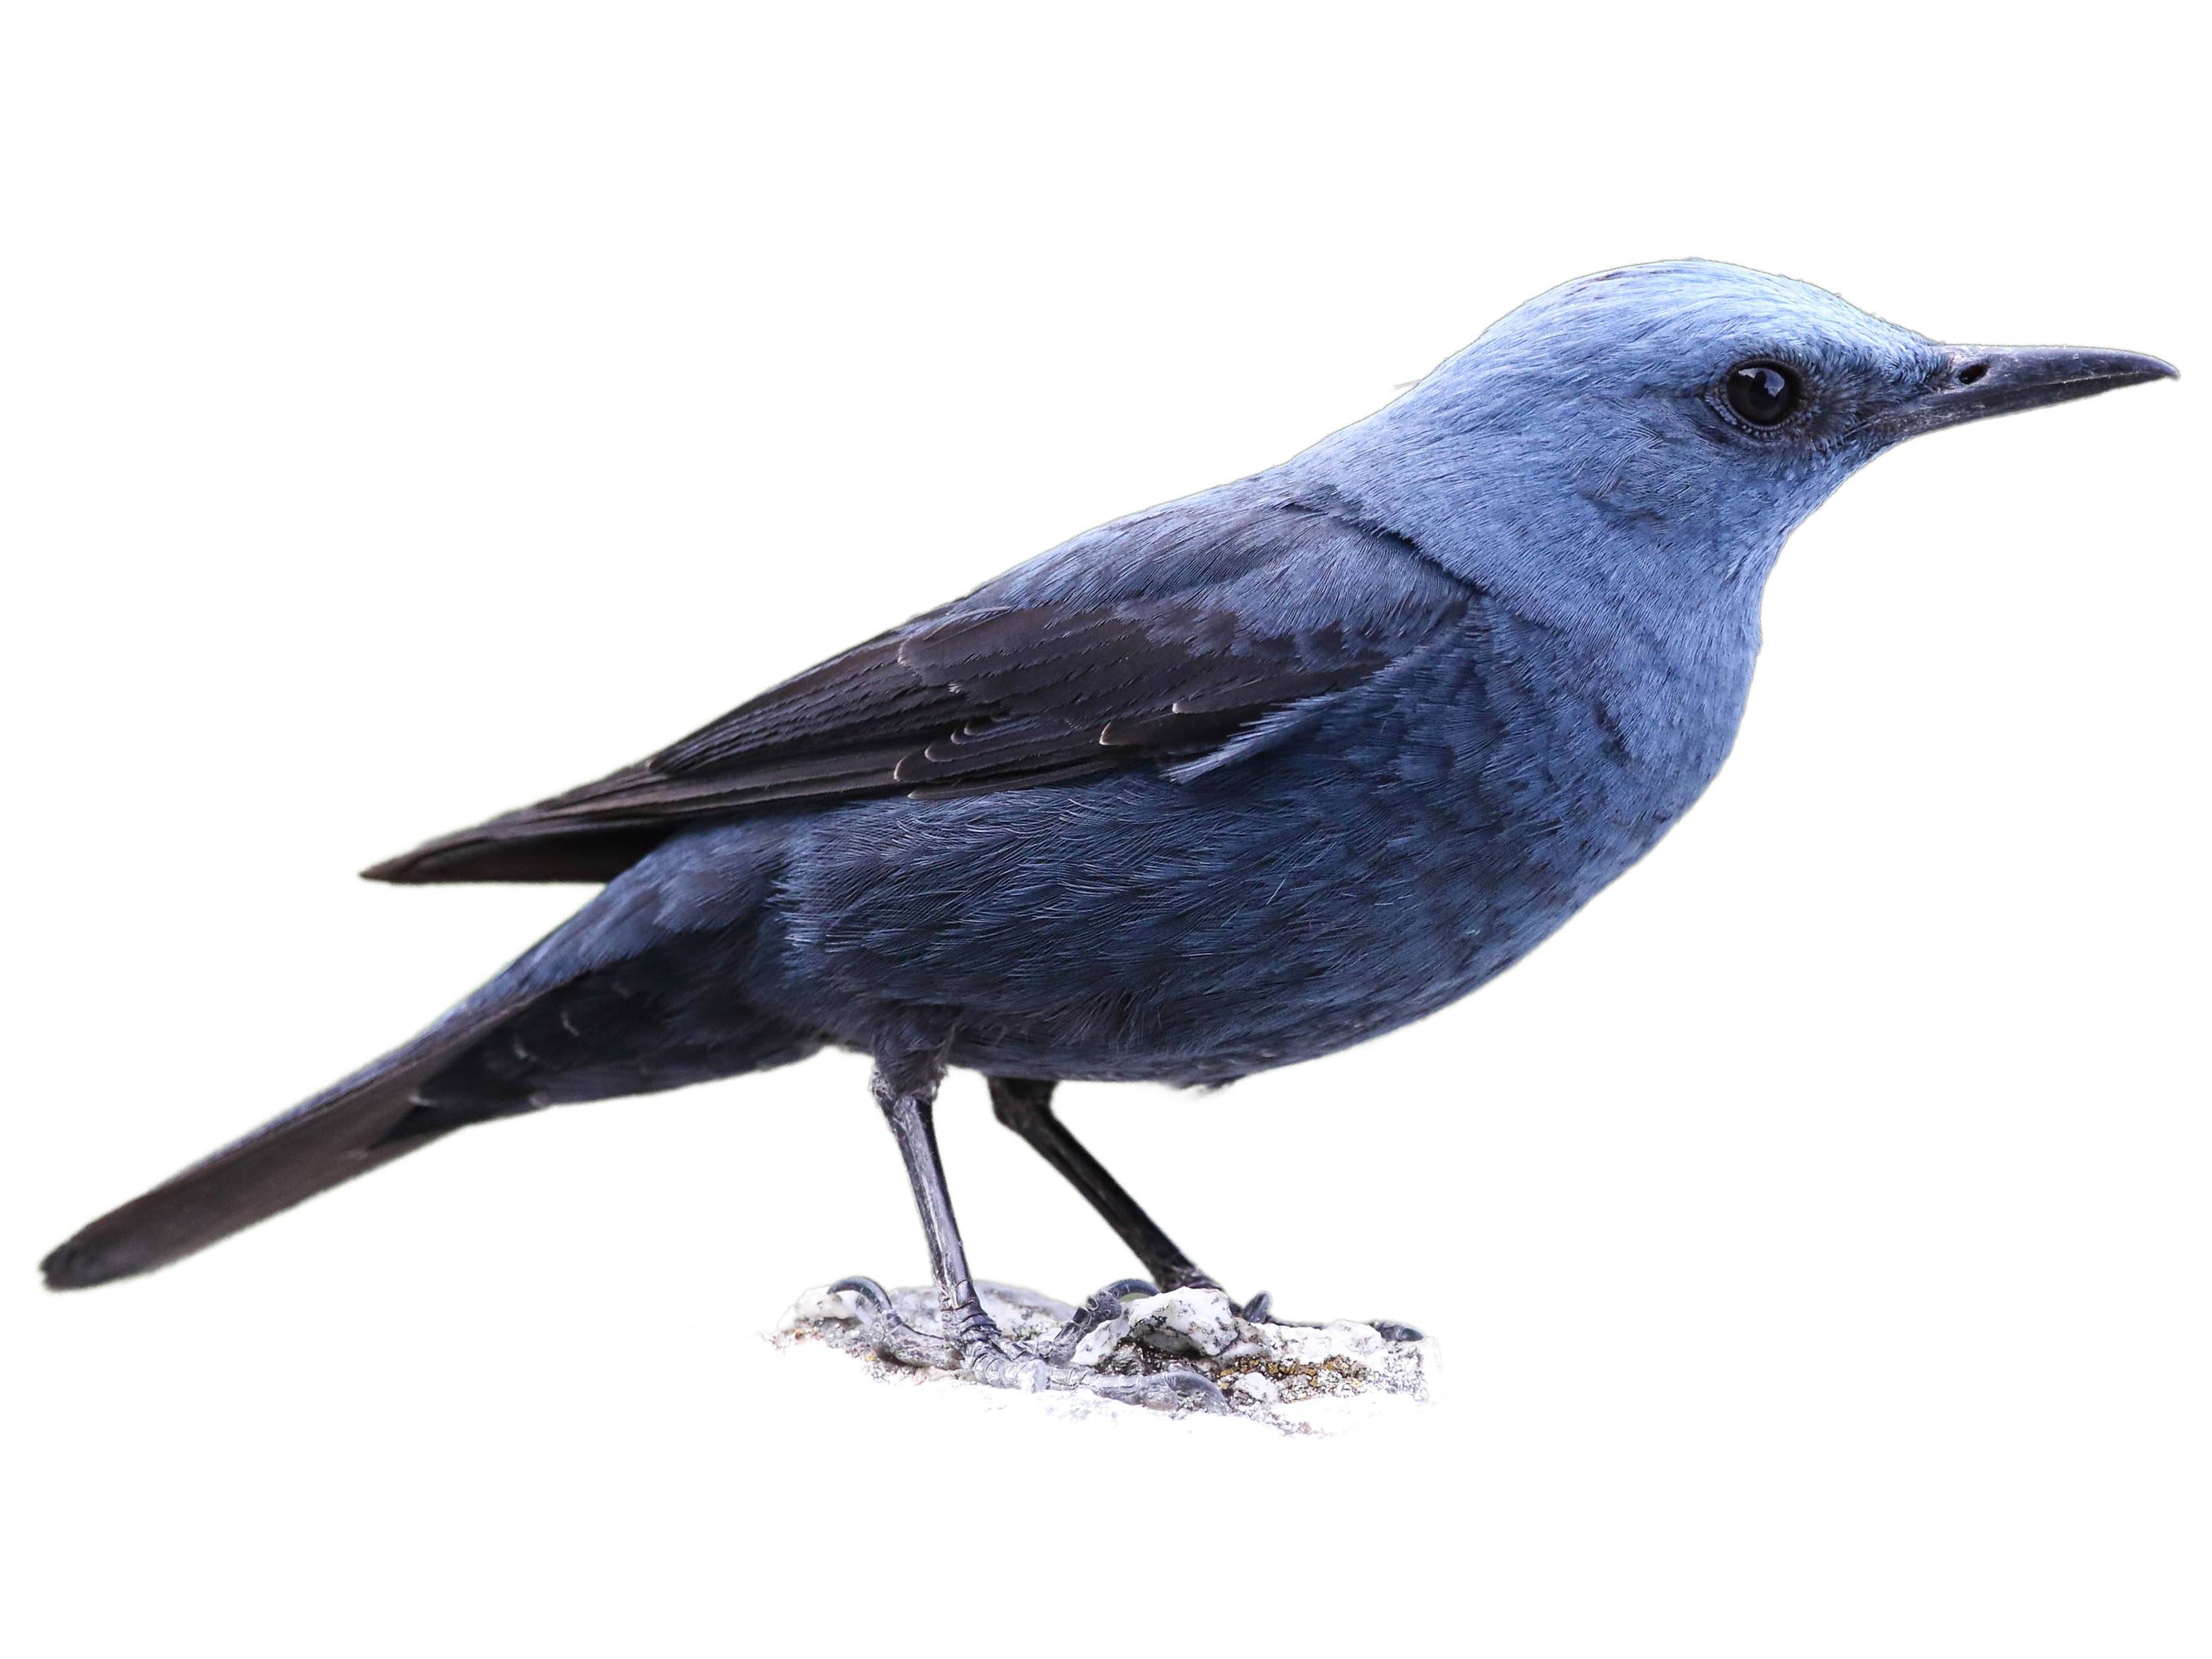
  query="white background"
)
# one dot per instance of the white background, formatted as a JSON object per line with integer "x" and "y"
{"x": 412, "y": 410}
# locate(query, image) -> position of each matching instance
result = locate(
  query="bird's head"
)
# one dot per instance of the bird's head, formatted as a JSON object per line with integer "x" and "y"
{"x": 1670, "y": 424}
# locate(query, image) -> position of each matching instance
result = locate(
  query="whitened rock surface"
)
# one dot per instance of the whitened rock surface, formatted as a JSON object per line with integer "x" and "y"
{"x": 1299, "y": 1379}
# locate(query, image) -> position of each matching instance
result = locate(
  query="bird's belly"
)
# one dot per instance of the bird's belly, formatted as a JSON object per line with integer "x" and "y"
{"x": 1136, "y": 928}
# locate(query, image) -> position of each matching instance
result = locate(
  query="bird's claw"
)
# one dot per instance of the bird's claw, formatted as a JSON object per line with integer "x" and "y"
{"x": 1104, "y": 1305}
{"x": 984, "y": 1353}
{"x": 891, "y": 1336}
{"x": 1259, "y": 1310}
{"x": 1174, "y": 1391}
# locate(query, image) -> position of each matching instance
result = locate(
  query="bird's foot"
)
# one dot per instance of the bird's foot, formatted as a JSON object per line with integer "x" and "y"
{"x": 975, "y": 1347}
{"x": 1259, "y": 1310}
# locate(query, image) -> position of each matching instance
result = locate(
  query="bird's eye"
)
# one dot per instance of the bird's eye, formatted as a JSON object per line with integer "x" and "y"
{"x": 1763, "y": 393}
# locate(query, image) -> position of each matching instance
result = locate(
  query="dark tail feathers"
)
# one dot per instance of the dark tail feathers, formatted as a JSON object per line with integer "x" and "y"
{"x": 344, "y": 1131}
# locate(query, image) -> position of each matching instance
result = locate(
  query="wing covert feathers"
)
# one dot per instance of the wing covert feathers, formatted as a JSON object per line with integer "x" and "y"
{"x": 1062, "y": 670}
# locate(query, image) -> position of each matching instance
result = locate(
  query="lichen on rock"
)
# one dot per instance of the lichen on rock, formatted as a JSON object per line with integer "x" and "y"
{"x": 1295, "y": 1378}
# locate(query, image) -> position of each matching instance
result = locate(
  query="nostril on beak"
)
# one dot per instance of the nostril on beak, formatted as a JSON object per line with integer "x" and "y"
{"x": 1972, "y": 372}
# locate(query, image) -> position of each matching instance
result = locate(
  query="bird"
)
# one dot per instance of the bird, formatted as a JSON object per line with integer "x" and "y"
{"x": 1219, "y": 786}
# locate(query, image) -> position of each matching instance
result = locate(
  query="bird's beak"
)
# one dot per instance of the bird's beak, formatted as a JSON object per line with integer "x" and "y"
{"x": 1982, "y": 380}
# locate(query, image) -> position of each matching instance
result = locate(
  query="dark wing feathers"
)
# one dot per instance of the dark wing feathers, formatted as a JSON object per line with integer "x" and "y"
{"x": 866, "y": 687}
{"x": 1061, "y": 669}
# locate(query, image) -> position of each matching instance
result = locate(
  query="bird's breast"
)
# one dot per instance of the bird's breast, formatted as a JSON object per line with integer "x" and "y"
{"x": 1498, "y": 785}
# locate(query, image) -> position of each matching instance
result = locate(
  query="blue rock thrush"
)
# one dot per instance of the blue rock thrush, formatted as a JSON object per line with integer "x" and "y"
{"x": 1224, "y": 785}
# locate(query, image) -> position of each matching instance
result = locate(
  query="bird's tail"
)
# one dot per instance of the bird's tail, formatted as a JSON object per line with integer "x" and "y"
{"x": 346, "y": 1130}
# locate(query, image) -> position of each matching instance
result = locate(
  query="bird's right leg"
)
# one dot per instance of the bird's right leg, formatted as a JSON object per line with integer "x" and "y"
{"x": 971, "y": 1341}
{"x": 1026, "y": 1106}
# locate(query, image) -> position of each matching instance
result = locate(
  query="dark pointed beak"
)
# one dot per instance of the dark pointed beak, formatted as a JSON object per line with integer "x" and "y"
{"x": 1983, "y": 380}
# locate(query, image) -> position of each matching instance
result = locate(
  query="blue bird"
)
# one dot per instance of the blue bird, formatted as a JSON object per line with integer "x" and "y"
{"x": 1222, "y": 786}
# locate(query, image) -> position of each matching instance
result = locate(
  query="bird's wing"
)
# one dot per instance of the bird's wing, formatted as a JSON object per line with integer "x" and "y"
{"x": 1160, "y": 638}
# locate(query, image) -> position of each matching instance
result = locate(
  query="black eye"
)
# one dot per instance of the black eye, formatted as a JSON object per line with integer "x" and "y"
{"x": 1763, "y": 393}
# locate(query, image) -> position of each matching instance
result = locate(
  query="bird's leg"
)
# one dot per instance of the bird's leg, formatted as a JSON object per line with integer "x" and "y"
{"x": 971, "y": 1342}
{"x": 1026, "y": 1106}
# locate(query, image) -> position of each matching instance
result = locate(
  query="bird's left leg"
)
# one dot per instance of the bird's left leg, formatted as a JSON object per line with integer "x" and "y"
{"x": 971, "y": 1341}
